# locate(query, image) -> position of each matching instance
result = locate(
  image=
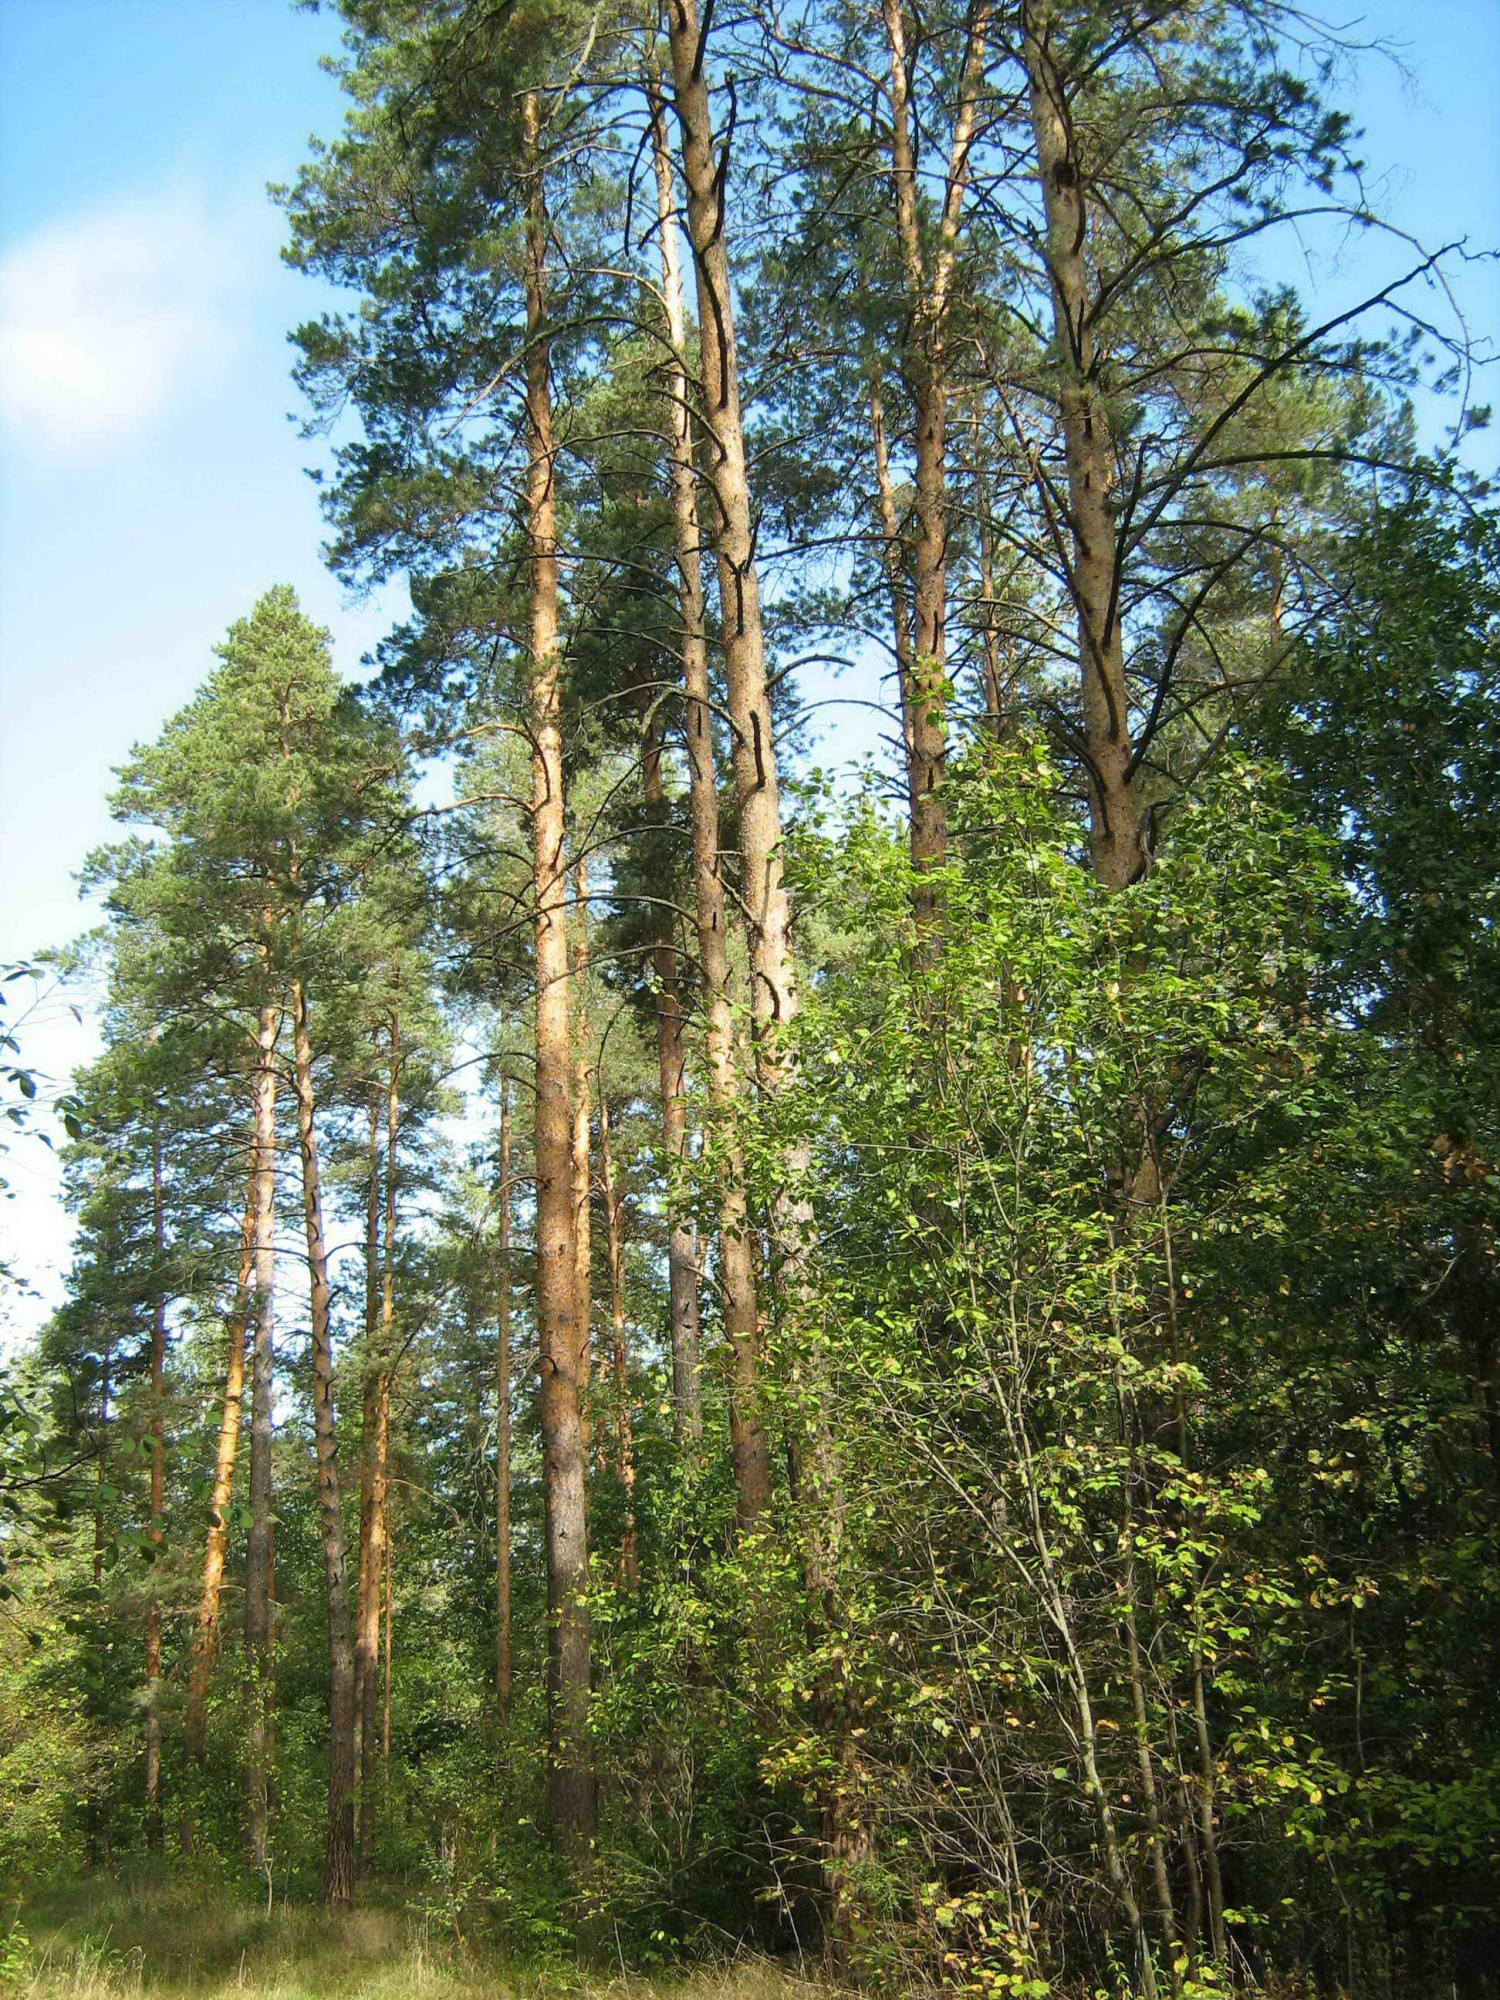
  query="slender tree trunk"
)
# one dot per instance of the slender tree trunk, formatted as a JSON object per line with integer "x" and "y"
{"x": 260, "y": 1559}
{"x": 929, "y": 282}
{"x": 731, "y": 535}
{"x": 378, "y": 1451}
{"x": 502, "y": 1426}
{"x": 206, "y": 1622}
{"x": 671, "y": 1062}
{"x": 614, "y": 1217}
{"x": 158, "y": 1438}
{"x": 750, "y": 1449}
{"x": 369, "y": 1577}
{"x": 893, "y": 555}
{"x": 583, "y": 1234}
{"x": 338, "y": 1863}
{"x": 570, "y": 1786}
{"x": 1117, "y": 826}
{"x": 390, "y": 1619}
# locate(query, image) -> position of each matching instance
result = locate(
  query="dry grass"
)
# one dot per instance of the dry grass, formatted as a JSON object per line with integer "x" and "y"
{"x": 165, "y": 1942}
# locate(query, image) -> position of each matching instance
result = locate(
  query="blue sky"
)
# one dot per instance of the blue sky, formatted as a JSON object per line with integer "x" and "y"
{"x": 151, "y": 484}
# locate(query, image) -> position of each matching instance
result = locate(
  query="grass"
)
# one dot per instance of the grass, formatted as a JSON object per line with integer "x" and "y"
{"x": 158, "y": 1940}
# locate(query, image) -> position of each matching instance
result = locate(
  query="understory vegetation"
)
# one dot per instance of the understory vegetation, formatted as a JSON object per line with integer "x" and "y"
{"x": 682, "y": 1369}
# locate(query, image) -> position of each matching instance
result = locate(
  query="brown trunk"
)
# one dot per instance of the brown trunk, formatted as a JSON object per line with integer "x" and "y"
{"x": 749, "y": 1446}
{"x": 158, "y": 1495}
{"x": 682, "y": 1237}
{"x": 583, "y": 1072}
{"x": 773, "y": 997}
{"x": 502, "y": 1426}
{"x": 368, "y": 1574}
{"x": 620, "y": 1349}
{"x": 1117, "y": 827}
{"x": 570, "y": 1779}
{"x": 206, "y": 1623}
{"x": 390, "y": 1607}
{"x": 929, "y": 282}
{"x": 895, "y": 572}
{"x": 377, "y": 1453}
{"x": 338, "y": 1860}
{"x": 260, "y": 1558}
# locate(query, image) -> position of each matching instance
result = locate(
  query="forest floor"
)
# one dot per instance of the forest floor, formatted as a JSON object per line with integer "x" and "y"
{"x": 144, "y": 1940}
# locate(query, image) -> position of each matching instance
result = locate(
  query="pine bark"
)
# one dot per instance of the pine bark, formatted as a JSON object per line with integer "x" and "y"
{"x": 260, "y": 1559}
{"x": 583, "y": 1072}
{"x": 157, "y": 1433}
{"x": 502, "y": 1426}
{"x": 929, "y": 286}
{"x": 377, "y": 1457}
{"x": 1117, "y": 832}
{"x": 338, "y": 1859}
{"x": 614, "y": 1222}
{"x": 570, "y": 1781}
{"x": 216, "y": 1541}
{"x": 671, "y": 1063}
{"x": 739, "y": 1302}
{"x": 731, "y": 536}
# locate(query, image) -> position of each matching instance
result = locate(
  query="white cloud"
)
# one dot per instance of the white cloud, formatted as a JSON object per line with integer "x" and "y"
{"x": 111, "y": 317}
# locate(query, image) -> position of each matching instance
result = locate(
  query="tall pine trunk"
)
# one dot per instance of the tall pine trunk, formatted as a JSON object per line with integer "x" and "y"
{"x": 570, "y": 1780}
{"x": 739, "y": 1302}
{"x": 216, "y": 1540}
{"x": 376, "y": 1470}
{"x": 158, "y": 1494}
{"x": 338, "y": 1858}
{"x": 929, "y": 283}
{"x": 671, "y": 1064}
{"x": 614, "y": 1222}
{"x": 1117, "y": 829}
{"x": 732, "y": 539}
{"x": 502, "y": 1425}
{"x": 260, "y": 1559}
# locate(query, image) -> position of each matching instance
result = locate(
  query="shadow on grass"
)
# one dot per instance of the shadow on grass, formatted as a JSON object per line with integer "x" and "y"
{"x": 144, "y": 1933}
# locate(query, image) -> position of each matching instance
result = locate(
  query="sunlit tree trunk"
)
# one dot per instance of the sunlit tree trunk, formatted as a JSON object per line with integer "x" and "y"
{"x": 157, "y": 1435}
{"x": 671, "y": 1062}
{"x": 377, "y": 1452}
{"x": 749, "y": 1445}
{"x": 731, "y": 536}
{"x": 338, "y": 1862}
{"x": 1117, "y": 827}
{"x": 570, "y": 1779}
{"x": 502, "y": 1424}
{"x": 206, "y": 1620}
{"x": 260, "y": 1556}
{"x": 614, "y": 1219}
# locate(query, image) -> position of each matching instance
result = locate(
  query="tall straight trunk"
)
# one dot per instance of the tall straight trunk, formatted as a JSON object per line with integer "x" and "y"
{"x": 338, "y": 1856}
{"x": 894, "y": 563}
{"x": 671, "y": 1063}
{"x": 750, "y": 1449}
{"x": 206, "y": 1622}
{"x": 998, "y": 675}
{"x": 929, "y": 283}
{"x": 377, "y": 1452}
{"x": 158, "y": 1495}
{"x": 260, "y": 1558}
{"x": 390, "y": 1607}
{"x": 583, "y": 1235}
{"x": 368, "y": 1579}
{"x": 773, "y": 998}
{"x": 1117, "y": 834}
{"x": 614, "y": 1218}
{"x": 571, "y": 1798}
{"x": 502, "y": 1425}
